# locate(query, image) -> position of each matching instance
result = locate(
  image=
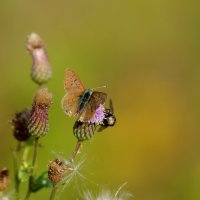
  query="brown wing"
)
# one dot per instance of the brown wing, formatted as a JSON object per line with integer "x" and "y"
{"x": 96, "y": 99}
{"x": 72, "y": 82}
{"x": 70, "y": 104}
{"x": 74, "y": 88}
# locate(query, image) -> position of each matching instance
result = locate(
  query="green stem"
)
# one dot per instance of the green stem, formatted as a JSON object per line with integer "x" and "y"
{"x": 35, "y": 153}
{"x": 53, "y": 192}
{"x": 15, "y": 163}
{"x": 25, "y": 153}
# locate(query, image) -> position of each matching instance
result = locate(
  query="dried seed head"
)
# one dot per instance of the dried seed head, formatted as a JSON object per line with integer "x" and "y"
{"x": 38, "y": 124}
{"x": 4, "y": 179}
{"x": 20, "y": 123}
{"x": 41, "y": 68}
{"x": 57, "y": 170}
{"x": 84, "y": 130}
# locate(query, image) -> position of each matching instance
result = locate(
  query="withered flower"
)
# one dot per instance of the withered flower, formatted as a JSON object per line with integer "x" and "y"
{"x": 38, "y": 124}
{"x": 41, "y": 68}
{"x": 4, "y": 179}
{"x": 20, "y": 123}
{"x": 57, "y": 170}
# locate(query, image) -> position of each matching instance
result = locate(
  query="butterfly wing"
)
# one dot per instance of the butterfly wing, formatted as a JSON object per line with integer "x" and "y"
{"x": 95, "y": 100}
{"x": 74, "y": 88}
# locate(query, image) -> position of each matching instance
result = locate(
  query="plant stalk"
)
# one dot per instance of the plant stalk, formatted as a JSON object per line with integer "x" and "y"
{"x": 53, "y": 192}
{"x": 76, "y": 150}
{"x": 35, "y": 153}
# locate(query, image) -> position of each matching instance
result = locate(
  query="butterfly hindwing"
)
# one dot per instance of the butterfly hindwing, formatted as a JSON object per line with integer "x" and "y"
{"x": 94, "y": 102}
{"x": 70, "y": 104}
{"x": 97, "y": 98}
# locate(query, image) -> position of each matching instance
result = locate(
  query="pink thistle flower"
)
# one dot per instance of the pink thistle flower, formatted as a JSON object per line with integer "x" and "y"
{"x": 98, "y": 116}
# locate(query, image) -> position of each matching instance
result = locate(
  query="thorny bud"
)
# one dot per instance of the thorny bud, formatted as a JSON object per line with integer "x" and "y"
{"x": 4, "y": 179}
{"x": 20, "y": 123}
{"x": 84, "y": 130}
{"x": 41, "y": 68}
{"x": 38, "y": 124}
{"x": 57, "y": 170}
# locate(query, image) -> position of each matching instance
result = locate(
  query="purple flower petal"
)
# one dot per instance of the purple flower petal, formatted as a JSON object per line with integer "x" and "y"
{"x": 99, "y": 115}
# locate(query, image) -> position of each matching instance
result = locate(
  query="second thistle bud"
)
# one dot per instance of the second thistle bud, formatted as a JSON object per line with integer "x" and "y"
{"x": 20, "y": 124}
{"x": 83, "y": 130}
{"x": 41, "y": 68}
{"x": 38, "y": 123}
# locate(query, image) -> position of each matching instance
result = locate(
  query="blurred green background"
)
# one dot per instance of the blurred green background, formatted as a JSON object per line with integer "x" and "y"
{"x": 147, "y": 53}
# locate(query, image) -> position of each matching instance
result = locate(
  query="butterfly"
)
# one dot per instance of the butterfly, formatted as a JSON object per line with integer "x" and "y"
{"x": 79, "y": 101}
{"x": 85, "y": 130}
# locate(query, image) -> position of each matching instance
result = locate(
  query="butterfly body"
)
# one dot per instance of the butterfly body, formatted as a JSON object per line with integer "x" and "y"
{"x": 84, "y": 99}
{"x": 79, "y": 101}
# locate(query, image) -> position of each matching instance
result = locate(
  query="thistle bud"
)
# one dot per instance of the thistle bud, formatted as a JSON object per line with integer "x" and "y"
{"x": 57, "y": 170}
{"x": 20, "y": 123}
{"x": 4, "y": 179}
{"x": 84, "y": 130}
{"x": 38, "y": 123}
{"x": 41, "y": 68}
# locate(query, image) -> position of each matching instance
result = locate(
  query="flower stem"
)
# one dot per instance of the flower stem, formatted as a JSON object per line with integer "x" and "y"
{"x": 35, "y": 153}
{"x": 76, "y": 150}
{"x": 15, "y": 163}
{"x": 25, "y": 153}
{"x": 53, "y": 192}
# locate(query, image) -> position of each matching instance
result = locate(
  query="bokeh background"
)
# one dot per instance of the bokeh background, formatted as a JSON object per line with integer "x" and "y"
{"x": 148, "y": 55}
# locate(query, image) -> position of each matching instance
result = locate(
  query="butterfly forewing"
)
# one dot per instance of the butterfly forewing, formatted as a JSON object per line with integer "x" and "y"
{"x": 96, "y": 99}
{"x": 72, "y": 82}
{"x": 74, "y": 89}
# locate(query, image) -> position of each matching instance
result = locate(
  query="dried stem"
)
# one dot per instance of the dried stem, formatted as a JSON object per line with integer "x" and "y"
{"x": 53, "y": 192}
{"x": 76, "y": 150}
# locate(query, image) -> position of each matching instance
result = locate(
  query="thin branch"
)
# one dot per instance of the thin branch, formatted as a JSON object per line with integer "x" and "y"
{"x": 76, "y": 150}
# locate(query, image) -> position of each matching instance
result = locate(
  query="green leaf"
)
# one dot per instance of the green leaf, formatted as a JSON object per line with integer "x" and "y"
{"x": 24, "y": 171}
{"x": 41, "y": 182}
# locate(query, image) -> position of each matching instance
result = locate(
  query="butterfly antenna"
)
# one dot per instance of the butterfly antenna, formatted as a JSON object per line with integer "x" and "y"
{"x": 104, "y": 86}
